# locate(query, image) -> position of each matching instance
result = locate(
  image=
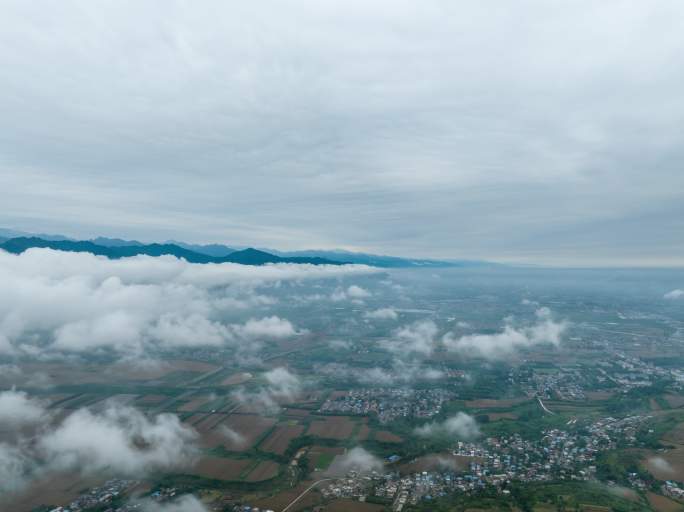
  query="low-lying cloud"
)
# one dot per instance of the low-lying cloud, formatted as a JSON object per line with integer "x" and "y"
{"x": 354, "y": 293}
{"x": 118, "y": 439}
{"x": 357, "y": 459}
{"x": 54, "y": 302}
{"x": 462, "y": 426}
{"x": 660, "y": 465}
{"x": 495, "y": 346}
{"x": 18, "y": 410}
{"x": 382, "y": 314}
{"x": 186, "y": 503}
{"x": 674, "y": 294}
{"x": 417, "y": 338}
{"x": 281, "y": 386}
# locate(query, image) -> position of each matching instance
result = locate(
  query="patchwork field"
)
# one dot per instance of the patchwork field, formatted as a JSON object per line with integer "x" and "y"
{"x": 221, "y": 468}
{"x": 279, "y": 439}
{"x": 332, "y": 427}
{"x": 494, "y": 404}
{"x": 387, "y": 437}
{"x": 265, "y": 470}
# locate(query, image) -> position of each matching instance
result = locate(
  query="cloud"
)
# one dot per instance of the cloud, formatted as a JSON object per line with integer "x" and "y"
{"x": 417, "y": 338}
{"x": 14, "y": 468}
{"x": 54, "y": 302}
{"x": 340, "y": 344}
{"x": 382, "y": 314}
{"x": 18, "y": 410}
{"x": 495, "y": 346}
{"x": 119, "y": 439}
{"x": 674, "y": 294}
{"x": 116, "y": 439}
{"x": 461, "y": 426}
{"x": 354, "y": 293}
{"x": 233, "y": 437}
{"x": 357, "y": 459}
{"x": 399, "y": 373}
{"x": 281, "y": 385}
{"x": 186, "y": 503}
{"x": 658, "y": 464}
{"x": 269, "y": 327}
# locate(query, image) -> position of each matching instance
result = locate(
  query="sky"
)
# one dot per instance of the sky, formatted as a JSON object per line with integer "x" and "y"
{"x": 531, "y": 131}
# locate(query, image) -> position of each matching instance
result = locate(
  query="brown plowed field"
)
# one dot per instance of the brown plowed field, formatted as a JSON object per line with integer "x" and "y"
{"x": 280, "y": 438}
{"x": 265, "y": 470}
{"x": 220, "y": 468}
{"x": 332, "y": 427}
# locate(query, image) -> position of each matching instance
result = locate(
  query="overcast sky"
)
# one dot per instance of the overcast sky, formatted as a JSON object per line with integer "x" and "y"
{"x": 539, "y": 131}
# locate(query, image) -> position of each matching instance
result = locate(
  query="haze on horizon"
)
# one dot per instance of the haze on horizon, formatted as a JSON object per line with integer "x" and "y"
{"x": 538, "y": 132}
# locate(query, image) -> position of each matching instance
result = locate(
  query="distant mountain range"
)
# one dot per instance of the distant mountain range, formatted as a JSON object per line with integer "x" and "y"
{"x": 244, "y": 257}
{"x": 18, "y": 241}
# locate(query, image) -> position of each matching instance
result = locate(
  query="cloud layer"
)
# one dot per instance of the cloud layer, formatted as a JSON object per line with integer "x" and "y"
{"x": 500, "y": 345}
{"x": 57, "y": 302}
{"x": 116, "y": 439}
{"x": 357, "y": 459}
{"x": 461, "y": 426}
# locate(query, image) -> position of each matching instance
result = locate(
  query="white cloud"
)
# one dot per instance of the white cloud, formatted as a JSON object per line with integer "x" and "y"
{"x": 119, "y": 439}
{"x": 382, "y": 314}
{"x": 281, "y": 385}
{"x": 17, "y": 410}
{"x": 357, "y": 459}
{"x": 674, "y": 294}
{"x": 659, "y": 464}
{"x": 417, "y": 338}
{"x": 496, "y": 346}
{"x": 14, "y": 468}
{"x": 55, "y": 302}
{"x": 233, "y": 437}
{"x": 399, "y": 373}
{"x": 354, "y": 293}
{"x": 186, "y": 503}
{"x": 461, "y": 426}
{"x": 269, "y": 327}
{"x": 340, "y": 344}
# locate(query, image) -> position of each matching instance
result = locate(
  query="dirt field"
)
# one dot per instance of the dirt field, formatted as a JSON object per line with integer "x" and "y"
{"x": 663, "y": 504}
{"x": 280, "y": 438}
{"x": 387, "y": 437}
{"x": 494, "y": 416}
{"x": 675, "y": 401}
{"x": 283, "y": 499}
{"x": 487, "y": 403}
{"x": 55, "y": 490}
{"x": 220, "y": 468}
{"x": 364, "y": 432}
{"x": 265, "y": 470}
{"x": 150, "y": 399}
{"x": 599, "y": 395}
{"x": 249, "y": 426}
{"x": 195, "y": 403}
{"x": 297, "y": 413}
{"x": 352, "y": 506}
{"x": 237, "y": 378}
{"x": 332, "y": 427}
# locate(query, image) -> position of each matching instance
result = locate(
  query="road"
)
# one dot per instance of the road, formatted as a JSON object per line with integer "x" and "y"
{"x": 305, "y": 491}
{"x": 543, "y": 406}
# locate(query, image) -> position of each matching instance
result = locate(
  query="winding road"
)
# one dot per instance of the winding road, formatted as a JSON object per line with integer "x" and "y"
{"x": 305, "y": 491}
